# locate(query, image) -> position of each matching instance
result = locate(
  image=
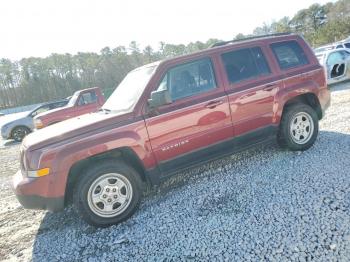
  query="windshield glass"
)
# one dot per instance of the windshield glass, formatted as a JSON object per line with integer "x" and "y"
{"x": 129, "y": 90}
{"x": 73, "y": 99}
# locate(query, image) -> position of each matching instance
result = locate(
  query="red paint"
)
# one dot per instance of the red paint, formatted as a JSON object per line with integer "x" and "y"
{"x": 72, "y": 110}
{"x": 179, "y": 128}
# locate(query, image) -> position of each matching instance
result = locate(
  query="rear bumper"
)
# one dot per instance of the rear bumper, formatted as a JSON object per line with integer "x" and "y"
{"x": 325, "y": 100}
{"x": 325, "y": 107}
{"x": 26, "y": 190}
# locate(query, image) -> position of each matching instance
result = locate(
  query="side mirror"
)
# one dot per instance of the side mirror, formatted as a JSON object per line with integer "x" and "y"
{"x": 159, "y": 98}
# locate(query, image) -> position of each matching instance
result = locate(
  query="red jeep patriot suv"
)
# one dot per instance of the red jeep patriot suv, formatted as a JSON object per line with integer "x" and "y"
{"x": 172, "y": 114}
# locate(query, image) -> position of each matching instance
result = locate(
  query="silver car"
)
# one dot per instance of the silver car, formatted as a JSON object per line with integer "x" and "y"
{"x": 336, "y": 63}
{"x": 23, "y": 124}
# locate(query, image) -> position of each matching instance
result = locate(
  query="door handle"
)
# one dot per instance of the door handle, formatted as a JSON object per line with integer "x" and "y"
{"x": 269, "y": 87}
{"x": 214, "y": 104}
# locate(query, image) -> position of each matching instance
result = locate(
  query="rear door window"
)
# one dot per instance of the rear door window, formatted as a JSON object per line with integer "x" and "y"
{"x": 245, "y": 64}
{"x": 289, "y": 54}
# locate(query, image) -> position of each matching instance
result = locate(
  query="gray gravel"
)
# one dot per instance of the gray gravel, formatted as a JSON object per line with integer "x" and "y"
{"x": 262, "y": 204}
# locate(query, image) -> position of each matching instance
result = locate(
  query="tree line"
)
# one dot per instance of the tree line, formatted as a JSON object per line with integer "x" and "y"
{"x": 35, "y": 80}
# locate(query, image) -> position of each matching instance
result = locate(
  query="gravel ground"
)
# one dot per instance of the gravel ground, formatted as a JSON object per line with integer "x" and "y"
{"x": 262, "y": 204}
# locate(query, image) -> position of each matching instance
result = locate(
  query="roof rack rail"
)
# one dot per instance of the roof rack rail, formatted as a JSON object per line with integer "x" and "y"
{"x": 247, "y": 38}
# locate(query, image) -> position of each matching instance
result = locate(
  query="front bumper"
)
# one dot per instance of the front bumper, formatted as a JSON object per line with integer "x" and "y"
{"x": 29, "y": 192}
{"x": 5, "y": 133}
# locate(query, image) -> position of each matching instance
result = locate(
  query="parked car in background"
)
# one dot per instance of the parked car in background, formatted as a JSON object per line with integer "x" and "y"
{"x": 336, "y": 63}
{"x": 18, "y": 128}
{"x": 342, "y": 44}
{"x": 2, "y": 114}
{"x": 170, "y": 115}
{"x": 82, "y": 102}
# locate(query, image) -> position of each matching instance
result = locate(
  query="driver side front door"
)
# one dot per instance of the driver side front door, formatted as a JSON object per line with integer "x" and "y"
{"x": 183, "y": 132}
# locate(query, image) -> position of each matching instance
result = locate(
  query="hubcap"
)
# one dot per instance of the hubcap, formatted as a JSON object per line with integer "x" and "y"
{"x": 109, "y": 195}
{"x": 19, "y": 134}
{"x": 301, "y": 128}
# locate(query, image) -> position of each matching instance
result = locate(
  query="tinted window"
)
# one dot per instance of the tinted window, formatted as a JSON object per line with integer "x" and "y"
{"x": 189, "y": 79}
{"x": 87, "y": 98}
{"x": 339, "y": 46}
{"x": 245, "y": 64}
{"x": 260, "y": 60}
{"x": 347, "y": 45}
{"x": 289, "y": 54}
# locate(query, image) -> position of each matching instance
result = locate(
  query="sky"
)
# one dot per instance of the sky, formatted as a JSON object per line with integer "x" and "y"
{"x": 41, "y": 27}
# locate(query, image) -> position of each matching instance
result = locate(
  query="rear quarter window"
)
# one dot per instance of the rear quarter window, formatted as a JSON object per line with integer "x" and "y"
{"x": 289, "y": 54}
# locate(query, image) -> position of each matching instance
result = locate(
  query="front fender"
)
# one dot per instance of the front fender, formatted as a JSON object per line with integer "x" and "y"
{"x": 63, "y": 157}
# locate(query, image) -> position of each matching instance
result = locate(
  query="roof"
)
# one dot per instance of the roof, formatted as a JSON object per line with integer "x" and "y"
{"x": 249, "y": 38}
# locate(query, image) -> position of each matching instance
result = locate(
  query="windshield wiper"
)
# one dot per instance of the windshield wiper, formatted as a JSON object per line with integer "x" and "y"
{"x": 105, "y": 110}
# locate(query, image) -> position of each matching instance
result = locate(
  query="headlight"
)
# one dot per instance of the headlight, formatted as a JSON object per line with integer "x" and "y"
{"x": 38, "y": 124}
{"x": 4, "y": 127}
{"x": 38, "y": 173}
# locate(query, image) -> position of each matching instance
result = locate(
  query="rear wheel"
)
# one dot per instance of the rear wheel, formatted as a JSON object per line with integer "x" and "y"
{"x": 18, "y": 133}
{"x": 299, "y": 127}
{"x": 107, "y": 193}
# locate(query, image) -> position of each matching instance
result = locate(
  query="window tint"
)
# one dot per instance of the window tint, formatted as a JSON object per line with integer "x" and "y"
{"x": 347, "y": 45}
{"x": 339, "y": 46}
{"x": 289, "y": 54}
{"x": 260, "y": 60}
{"x": 87, "y": 98}
{"x": 189, "y": 79}
{"x": 245, "y": 64}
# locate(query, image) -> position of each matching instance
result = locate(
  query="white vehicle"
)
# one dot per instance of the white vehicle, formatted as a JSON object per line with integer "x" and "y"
{"x": 336, "y": 63}
{"x": 342, "y": 44}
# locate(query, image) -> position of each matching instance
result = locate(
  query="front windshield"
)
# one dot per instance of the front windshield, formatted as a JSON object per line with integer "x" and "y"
{"x": 73, "y": 99}
{"x": 126, "y": 95}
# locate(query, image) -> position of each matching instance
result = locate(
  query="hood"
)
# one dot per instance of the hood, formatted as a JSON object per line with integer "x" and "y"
{"x": 12, "y": 119}
{"x": 75, "y": 127}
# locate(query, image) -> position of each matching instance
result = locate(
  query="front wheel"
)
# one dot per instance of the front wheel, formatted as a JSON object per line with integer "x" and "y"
{"x": 18, "y": 133}
{"x": 107, "y": 193}
{"x": 299, "y": 127}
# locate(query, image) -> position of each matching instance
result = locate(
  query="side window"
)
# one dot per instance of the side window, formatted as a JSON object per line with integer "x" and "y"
{"x": 41, "y": 110}
{"x": 245, "y": 64}
{"x": 87, "y": 98}
{"x": 347, "y": 45}
{"x": 261, "y": 62}
{"x": 289, "y": 54}
{"x": 189, "y": 79}
{"x": 339, "y": 46}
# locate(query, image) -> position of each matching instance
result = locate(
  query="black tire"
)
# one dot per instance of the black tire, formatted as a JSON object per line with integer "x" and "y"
{"x": 89, "y": 176}
{"x": 285, "y": 138}
{"x": 19, "y": 132}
